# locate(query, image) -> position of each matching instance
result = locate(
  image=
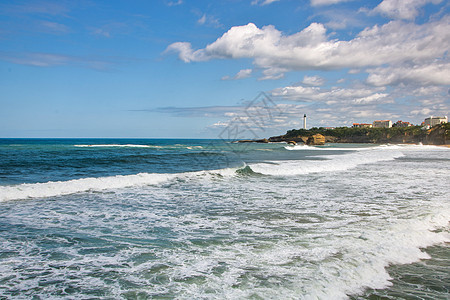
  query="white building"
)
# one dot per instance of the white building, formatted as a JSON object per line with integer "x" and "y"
{"x": 431, "y": 121}
{"x": 382, "y": 124}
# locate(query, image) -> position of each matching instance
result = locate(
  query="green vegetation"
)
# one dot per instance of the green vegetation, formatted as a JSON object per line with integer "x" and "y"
{"x": 373, "y": 135}
{"x": 446, "y": 126}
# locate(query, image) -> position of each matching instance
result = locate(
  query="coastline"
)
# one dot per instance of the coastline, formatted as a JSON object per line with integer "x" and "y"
{"x": 437, "y": 135}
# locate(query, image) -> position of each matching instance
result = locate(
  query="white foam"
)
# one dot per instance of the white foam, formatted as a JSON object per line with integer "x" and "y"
{"x": 58, "y": 188}
{"x": 300, "y": 147}
{"x": 117, "y": 145}
{"x": 330, "y": 164}
{"x": 329, "y": 147}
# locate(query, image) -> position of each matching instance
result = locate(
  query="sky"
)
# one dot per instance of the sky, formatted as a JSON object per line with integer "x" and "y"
{"x": 218, "y": 69}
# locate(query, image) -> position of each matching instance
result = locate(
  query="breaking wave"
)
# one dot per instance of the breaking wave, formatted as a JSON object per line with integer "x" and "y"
{"x": 331, "y": 163}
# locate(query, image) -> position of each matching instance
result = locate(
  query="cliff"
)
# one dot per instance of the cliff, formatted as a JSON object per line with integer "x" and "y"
{"x": 438, "y": 135}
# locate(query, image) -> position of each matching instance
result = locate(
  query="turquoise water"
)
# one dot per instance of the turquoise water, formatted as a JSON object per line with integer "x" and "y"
{"x": 205, "y": 219}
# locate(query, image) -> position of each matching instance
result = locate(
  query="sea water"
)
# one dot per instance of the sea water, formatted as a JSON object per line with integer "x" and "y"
{"x": 211, "y": 219}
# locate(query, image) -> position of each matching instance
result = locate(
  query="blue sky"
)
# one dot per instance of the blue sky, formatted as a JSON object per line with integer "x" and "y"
{"x": 194, "y": 69}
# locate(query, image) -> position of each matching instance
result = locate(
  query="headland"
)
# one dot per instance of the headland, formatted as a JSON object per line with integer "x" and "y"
{"x": 436, "y": 135}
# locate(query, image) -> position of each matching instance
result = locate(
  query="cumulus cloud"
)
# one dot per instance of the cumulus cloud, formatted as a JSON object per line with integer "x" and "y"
{"x": 313, "y": 80}
{"x": 429, "y": 74}
{"x": 393, "y": 43}
{"x": 406, "y": 65}
{"x": 361, "y": 95}
{"x": 339, "y": 106}
{"x": 245, "y": 73}
{"x": 402, "y": 9}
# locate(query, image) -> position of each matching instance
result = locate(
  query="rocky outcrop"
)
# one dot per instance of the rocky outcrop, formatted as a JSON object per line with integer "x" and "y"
{"x": 283, "y": 138}
{"x": 254, "y": 141}
{"x": 316, "y": 140}
{"x": 438, "y": 135}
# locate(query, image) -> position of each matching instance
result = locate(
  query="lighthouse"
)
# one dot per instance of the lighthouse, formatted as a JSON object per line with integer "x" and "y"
{"x": 304, "y": 121}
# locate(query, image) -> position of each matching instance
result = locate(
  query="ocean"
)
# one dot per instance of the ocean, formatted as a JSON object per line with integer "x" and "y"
{"x": 211, "y": 219}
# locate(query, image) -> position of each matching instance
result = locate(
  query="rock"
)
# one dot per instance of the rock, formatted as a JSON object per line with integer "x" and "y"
{"x": 316, "y": 139}
{"x": 277, "y": 139}
{"x": 254, "y": 141}
{"x": 246, "y": 141}
{"x": 292, "y": 143}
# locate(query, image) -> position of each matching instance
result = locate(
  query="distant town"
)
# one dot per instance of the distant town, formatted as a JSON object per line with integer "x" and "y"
{"x": 427, "y": 123}
{"x": 433, "y": 131}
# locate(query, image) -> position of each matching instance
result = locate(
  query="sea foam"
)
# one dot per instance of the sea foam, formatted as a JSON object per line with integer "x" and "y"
{"x": 59, "y": 188}
{"x": 331, "y": 163}
{"x": 117, "y": 145}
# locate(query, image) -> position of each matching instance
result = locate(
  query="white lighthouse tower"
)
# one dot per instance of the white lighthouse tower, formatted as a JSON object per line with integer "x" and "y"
{"x": 304, "y": 121}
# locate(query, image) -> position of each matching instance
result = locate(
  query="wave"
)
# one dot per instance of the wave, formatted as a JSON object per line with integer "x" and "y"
{"x": 331, "y": 163}
{"x": 178, "y": 146}
{"x": 403, "y": 242}
{"x": 57, "y": 188}
{"x": 387, "y": 146}
{"x": 117, "y": 145}
{"x": 321, "y": 148}
{"x": 60, "y": 188}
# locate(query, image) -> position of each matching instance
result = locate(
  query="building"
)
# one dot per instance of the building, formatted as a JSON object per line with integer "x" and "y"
{"x": 304, "y": 121}
{"x": 362, "y": 125}
{"x": 431, "y": 121}
{"x": 400, "y": 123}
{"x": 382, "y": 124}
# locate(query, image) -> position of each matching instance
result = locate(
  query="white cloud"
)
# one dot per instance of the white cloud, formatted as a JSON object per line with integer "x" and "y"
{"x": 39, "y": 59}
{"x": 54, "y": 27}
{"x": 356, "y": 96}
{"x": 202, "y": 20}
{"x": 245, "y": 73}
{"x": 393, "y": 43}
{"x": 437, "y": 73}
{"x": 263, "y": 2}
{"x": 209, "y": 21}
{"x": 402, "y": 9}
{"x": 427, "y": 90}
{"x": 327, "y": 2}
{"x": 422, "y": 112}
{"x": 174, "y": 3}
{"x": 184, "y": 50}
{"x": 313, "y": 80}
{"x": 273, "y": 73}
{"x": 101, "y": 32}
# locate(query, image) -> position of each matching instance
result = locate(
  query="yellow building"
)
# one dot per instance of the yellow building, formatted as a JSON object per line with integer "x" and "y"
{"x": 361, "y": 125}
